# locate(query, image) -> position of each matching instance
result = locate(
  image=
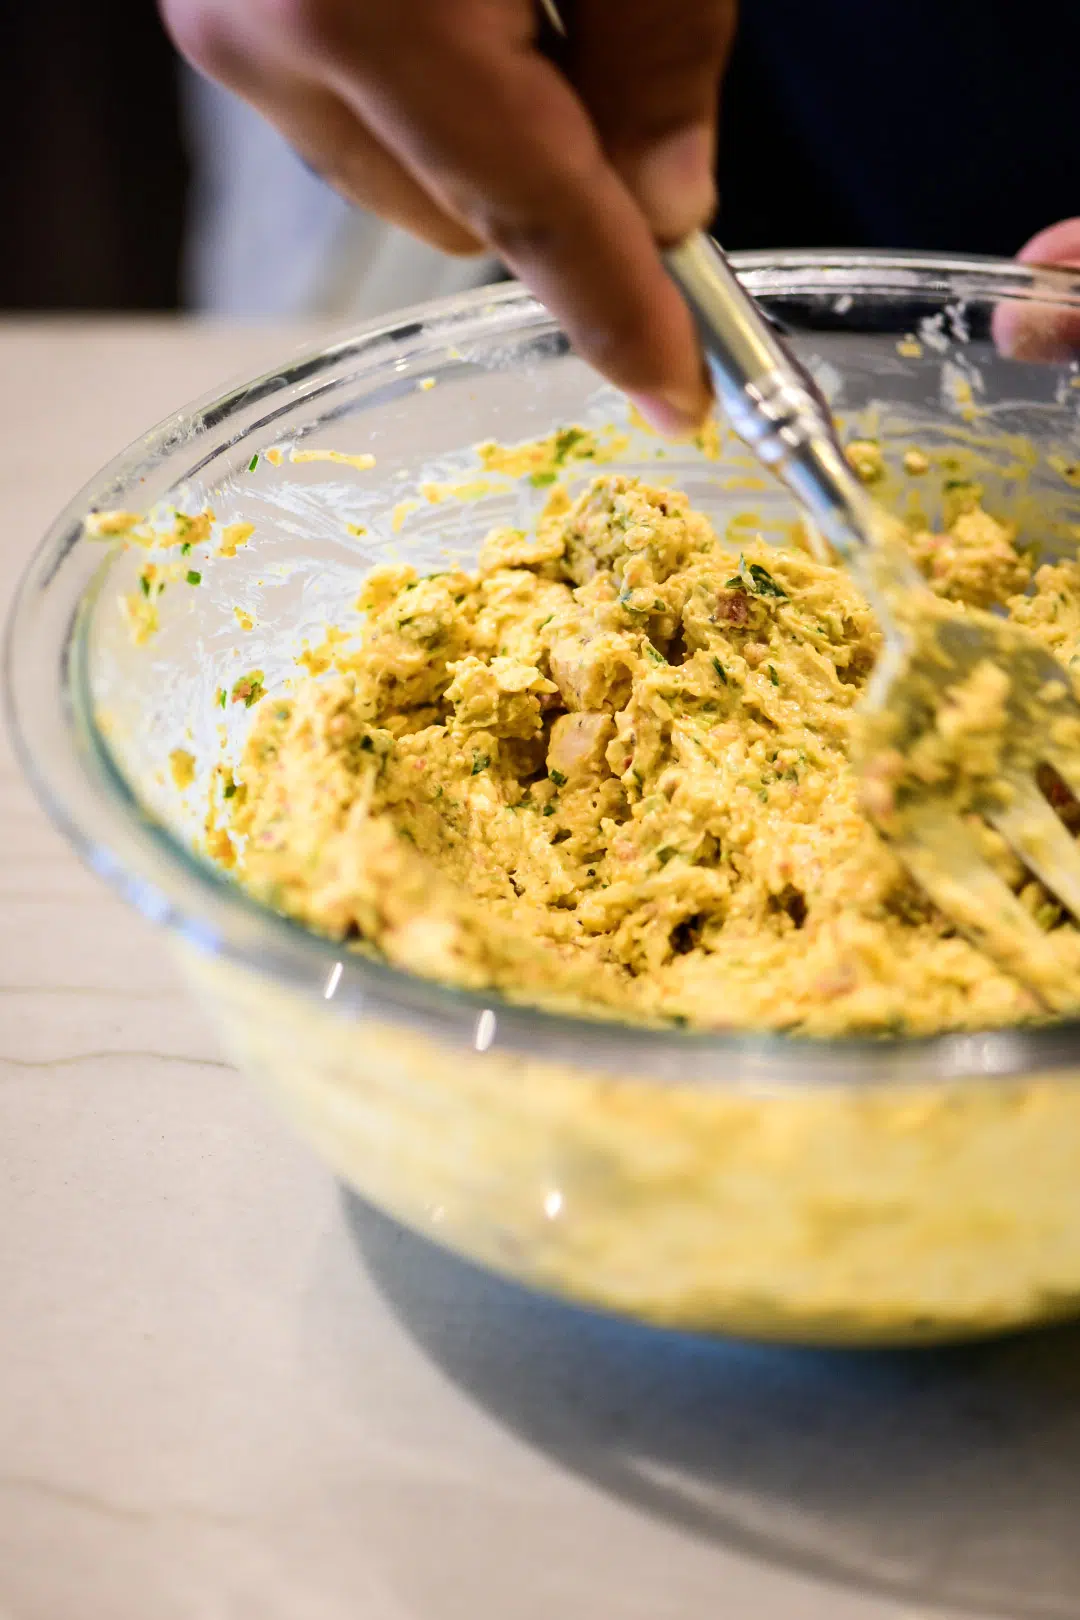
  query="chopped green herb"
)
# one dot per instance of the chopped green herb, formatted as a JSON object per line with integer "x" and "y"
{"x": 773, "y": 676}
{"x": 222, "y": 697}
{"x": 757, "y": 579}
{"x": 544, "y": 622}
{"x": 720, "y": 670}
{"x": 144, "y": 585}
{"x": 549, "y": 808}
{"x": 229, "y": 788}
{"x": 194, "y": 577}
{"x": 766, "y": 585}
{"x": 480, "y": 762}
{"x": 248, "y": 689}
{"x": 253, "y": 463}
{"x": 438, "y": 792}
{"x": 185, "y": 549}
{"x": 540, "y": 479}
{"x": 654, "y": 653}
{"x": 558, "y": 778}
{"x": 566, "y": 440}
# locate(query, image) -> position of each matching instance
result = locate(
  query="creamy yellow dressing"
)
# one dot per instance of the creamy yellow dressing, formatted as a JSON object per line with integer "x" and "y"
{"x": 610, "y": 769}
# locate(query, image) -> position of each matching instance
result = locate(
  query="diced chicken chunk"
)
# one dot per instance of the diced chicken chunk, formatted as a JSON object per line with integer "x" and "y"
{"x": 577, "y": 745}
{"x": 589, "y": 671}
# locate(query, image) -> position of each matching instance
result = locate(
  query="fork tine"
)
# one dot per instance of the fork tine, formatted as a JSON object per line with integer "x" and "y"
{"x": 937, "y": 850}
{"x": 1042, "y": 842}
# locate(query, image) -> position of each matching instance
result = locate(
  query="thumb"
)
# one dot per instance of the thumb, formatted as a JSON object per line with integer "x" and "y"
{"x": 1035, "y": 330}
{"x": 649, "y": 72}
{"x": 1057, "y": 244}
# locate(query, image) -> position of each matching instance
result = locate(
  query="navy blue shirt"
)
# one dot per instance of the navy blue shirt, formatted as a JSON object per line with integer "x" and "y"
{"x": 948, "y": 125}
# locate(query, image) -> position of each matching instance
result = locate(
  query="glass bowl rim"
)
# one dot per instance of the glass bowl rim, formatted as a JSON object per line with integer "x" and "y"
{"x": 192, "y": 890}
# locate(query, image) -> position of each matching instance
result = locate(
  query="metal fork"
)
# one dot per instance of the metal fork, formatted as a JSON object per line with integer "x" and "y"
{"x": 963, "y": 708}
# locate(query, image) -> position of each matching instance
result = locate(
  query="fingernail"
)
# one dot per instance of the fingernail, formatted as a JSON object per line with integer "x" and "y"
{"x": 673, "y": 182}
{"x": 672, "y": 414}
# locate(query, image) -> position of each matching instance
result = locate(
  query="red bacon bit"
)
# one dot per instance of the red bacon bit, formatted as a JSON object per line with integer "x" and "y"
{"x": 733, "y": 607}
{"x": 1057, "y": 793}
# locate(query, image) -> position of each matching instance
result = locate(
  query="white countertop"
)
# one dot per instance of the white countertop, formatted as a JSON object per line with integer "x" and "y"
{"x": 230, "y": 1392}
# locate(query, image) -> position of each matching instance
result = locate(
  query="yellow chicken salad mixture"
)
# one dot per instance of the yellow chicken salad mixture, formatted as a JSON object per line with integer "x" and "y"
{"x": 610, "y": 769}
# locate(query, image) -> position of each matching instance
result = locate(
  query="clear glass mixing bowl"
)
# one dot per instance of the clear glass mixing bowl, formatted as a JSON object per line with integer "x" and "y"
{"x": 841, "y": 1191}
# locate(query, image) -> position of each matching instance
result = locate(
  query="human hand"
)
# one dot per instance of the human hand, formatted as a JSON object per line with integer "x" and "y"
{"x": 1035, "y": 331}
{"x": 446, "y": 117}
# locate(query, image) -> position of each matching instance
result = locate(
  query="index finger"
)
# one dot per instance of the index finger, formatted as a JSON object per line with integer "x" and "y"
{"x": 503, "y": 143}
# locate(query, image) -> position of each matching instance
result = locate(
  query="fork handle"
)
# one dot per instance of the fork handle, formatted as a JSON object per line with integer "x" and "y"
{"x": 769, "y": 398}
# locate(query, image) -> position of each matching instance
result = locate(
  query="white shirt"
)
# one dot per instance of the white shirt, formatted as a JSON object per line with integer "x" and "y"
{"x": 267, "y": 238}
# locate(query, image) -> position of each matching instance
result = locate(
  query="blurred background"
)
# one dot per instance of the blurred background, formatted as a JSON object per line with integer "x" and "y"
{"x": 131, "y": 184}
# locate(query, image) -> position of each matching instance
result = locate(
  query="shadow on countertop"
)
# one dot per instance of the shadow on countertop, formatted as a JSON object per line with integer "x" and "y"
{"x": 942, "y": 1477}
